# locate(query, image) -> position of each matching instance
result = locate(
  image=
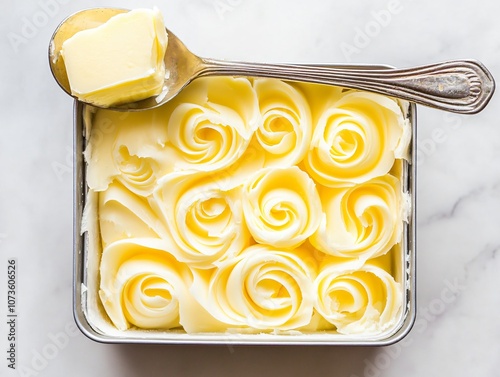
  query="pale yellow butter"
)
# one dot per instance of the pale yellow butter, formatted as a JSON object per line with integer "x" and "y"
{"x": 249, "y": 206}
{"x": 120, "y": 61}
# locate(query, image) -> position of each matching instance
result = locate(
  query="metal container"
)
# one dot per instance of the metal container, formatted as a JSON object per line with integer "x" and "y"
{"x": 405, "y": 271}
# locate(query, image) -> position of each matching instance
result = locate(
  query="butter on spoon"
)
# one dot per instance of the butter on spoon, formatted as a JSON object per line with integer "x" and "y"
{"x": 462, "y": 86}
{"x": 120, "y": 61}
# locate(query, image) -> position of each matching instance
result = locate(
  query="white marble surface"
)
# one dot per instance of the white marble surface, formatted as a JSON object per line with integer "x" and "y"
{"x": 458, "y": 328}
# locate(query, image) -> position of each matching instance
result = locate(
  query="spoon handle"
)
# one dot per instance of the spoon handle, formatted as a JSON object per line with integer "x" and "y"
{"x": 461, "y": 86}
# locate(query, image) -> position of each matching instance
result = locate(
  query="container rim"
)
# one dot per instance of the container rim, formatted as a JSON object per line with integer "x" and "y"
{"x": 79, "y": 262}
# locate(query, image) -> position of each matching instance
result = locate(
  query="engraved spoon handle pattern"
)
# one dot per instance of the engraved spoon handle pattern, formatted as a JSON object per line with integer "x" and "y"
{"x": 461, "y": 86}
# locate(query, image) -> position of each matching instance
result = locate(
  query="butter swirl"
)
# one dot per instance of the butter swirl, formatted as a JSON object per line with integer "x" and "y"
{"x": 142, "y": 284}
{"x": 204, "y": 217}
{"x": 282, "y": 206}
{"x": 357, "y": 139}
{"x": 363, "y": 221}
{"x": 264, "y": 287}
{"x": 285, "y": 131}
{"x": 357, "y": 300}
{"x": 211, "y": 122}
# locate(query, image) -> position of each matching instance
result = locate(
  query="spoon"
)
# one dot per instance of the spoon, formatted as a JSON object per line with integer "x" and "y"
{"x": 461, "y": 86}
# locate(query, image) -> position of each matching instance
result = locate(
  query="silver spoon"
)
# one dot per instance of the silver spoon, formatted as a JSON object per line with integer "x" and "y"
{"x": 461, "y": 86}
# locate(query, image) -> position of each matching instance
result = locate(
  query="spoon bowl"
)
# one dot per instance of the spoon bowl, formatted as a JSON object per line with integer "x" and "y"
{"x": 460, "y": 86}
{"x": 179, "y": 61}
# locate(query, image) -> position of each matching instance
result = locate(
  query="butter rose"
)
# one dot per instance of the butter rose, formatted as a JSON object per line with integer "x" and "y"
{"x": 264, "y": 287}
{"x": 211, "y": 122}
{"x": 282, "y": 206}
{"x": 356, "y": 139}
{"x": 357, "y": 300}
{"x": 363, "y": 221}
{"x": 285, "y": 131}
{"x": 142, "y": 284}
{"x": 203, "y": 216}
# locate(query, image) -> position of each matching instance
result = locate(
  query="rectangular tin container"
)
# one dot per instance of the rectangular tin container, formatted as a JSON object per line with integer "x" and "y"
{"x": 407, "y": 269}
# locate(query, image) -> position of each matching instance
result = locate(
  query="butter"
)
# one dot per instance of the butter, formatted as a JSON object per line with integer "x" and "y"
{"x": 120, "y": 61}
{"x": 363, "y": 221}
{"x": 263, "y": 287}
{"x": 282, "y": 207}
{"x": 357, "y": 138}
{"x": 357, "y": 299}
{"x": 204, "y": 217}
{"x": 226, "y": 210}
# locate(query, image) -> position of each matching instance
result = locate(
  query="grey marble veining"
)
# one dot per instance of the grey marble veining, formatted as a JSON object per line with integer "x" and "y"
{"x": 457, "y": 330}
